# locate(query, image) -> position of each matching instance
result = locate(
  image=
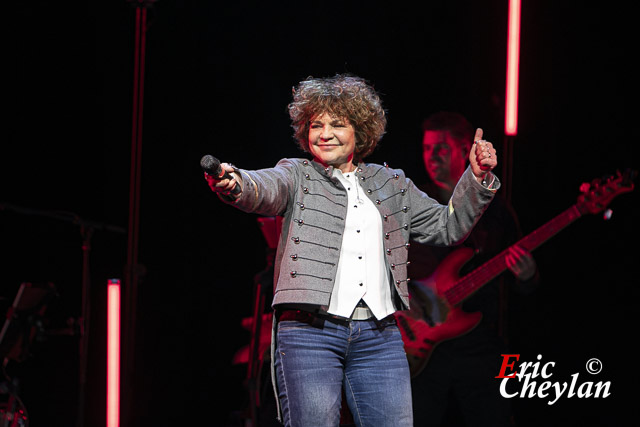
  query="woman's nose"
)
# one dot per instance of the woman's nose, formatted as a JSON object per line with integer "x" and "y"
{"x": 327, "y": 133}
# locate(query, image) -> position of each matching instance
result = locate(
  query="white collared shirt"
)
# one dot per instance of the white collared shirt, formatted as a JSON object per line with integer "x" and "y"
{"x": 362, "y": 272}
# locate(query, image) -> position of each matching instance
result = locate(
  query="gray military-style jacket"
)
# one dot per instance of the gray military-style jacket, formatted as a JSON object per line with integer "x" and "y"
{"x": 313, "y": 205}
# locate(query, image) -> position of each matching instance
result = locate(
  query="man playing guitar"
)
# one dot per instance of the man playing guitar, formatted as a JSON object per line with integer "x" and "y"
{"x": 458, "y": 377}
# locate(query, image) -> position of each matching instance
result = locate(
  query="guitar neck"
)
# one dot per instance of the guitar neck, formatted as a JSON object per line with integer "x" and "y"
{"x": 482, "y": 275}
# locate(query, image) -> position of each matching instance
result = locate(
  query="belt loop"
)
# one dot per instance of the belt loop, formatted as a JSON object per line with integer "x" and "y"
{"x": 317, "y": 321}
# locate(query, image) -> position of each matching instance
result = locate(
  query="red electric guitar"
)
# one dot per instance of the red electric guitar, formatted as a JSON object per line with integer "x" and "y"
{"x": 442, "y": 293}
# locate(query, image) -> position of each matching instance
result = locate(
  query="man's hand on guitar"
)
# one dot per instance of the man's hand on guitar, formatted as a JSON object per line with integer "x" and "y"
{"x": 521, "y": 263}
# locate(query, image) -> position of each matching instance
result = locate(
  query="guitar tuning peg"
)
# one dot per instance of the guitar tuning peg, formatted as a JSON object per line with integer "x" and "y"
{"x": 607, "y": 214}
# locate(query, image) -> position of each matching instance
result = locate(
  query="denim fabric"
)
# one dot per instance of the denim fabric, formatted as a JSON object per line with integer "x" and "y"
{"x": 314, "y": 361}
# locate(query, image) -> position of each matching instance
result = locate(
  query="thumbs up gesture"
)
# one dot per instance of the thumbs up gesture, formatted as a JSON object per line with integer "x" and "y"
{"x": 482, "y": 157}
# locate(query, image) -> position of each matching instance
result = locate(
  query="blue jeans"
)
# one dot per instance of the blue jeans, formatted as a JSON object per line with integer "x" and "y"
{"x": 314, "y": 361}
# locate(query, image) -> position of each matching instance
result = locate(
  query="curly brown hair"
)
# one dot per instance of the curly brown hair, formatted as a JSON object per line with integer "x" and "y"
{"x": 344, "y": 96}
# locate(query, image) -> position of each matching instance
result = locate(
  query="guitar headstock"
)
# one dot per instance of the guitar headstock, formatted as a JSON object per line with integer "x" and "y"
{"x": 598, "y": 194}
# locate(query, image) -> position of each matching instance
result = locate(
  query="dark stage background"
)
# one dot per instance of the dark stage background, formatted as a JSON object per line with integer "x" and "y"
{"x": 218, "y": 79}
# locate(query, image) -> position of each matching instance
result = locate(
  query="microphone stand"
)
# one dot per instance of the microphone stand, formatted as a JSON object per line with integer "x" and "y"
{"x": 87, "y": 228}
{"x": 86, "y": 232}
{"x": 263, "y": 284}
{"x": 133, "y": 271}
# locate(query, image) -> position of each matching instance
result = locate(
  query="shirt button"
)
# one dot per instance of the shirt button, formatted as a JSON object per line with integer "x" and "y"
{"x": 360, "y": 284}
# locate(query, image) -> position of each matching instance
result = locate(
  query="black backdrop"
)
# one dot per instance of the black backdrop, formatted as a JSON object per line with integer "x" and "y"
{"x": 218, "y": 78}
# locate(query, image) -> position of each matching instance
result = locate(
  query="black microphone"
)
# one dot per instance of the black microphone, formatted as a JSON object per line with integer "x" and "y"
{"x": 212, "y": 167}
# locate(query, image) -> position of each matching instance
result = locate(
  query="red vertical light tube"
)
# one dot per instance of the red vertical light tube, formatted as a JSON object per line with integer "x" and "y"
{"x": 513, "y": 60}
{"x": 113, "y": 353}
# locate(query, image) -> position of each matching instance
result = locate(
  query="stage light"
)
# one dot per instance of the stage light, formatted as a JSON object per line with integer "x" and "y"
{"x": 513, "y": 63}
{"x": 113, "y": 353}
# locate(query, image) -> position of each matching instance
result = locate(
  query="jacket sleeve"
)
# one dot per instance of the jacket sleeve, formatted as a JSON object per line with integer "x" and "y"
{"x": 449, "y": 225}
{"x": 266, "y": 191}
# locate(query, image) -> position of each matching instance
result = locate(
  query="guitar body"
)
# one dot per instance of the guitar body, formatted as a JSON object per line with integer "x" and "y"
{"x": 431, "y": 319}
{"x": 435, "y": 314}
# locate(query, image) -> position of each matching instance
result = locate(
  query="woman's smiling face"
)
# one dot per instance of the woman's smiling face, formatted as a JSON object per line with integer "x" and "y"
{"x": 332, "y": 141}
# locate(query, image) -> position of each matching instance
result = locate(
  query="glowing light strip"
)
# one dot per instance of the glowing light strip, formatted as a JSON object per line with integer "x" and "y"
{"x": 513, "y": 60}
{"x": 113, "y": 353}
